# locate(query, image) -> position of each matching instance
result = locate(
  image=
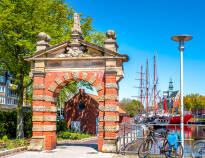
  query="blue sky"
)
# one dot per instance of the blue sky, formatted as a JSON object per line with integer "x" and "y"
{"x": 145, "y": 26}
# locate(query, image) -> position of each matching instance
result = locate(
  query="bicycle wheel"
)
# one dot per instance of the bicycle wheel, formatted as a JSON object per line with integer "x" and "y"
{"x": 145, "y": 148}
{"x": 198, "y": 150}
{"x": 169, "y": 153}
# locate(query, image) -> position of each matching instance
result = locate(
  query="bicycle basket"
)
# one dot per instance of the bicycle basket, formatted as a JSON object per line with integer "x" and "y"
{"x": 173, "y": 140}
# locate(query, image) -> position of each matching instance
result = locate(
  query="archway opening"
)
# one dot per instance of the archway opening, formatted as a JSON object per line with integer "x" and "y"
{"x": 77, "y": 106}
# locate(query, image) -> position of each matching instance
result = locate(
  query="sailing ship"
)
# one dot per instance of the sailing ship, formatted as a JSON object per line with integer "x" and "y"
{"x": 170, "y": 100}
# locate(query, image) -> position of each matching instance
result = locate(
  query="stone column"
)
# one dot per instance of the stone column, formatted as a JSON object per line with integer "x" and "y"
{"x": 111, "y": 112}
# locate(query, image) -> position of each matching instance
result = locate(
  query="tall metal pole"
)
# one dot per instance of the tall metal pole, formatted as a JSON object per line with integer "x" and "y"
{"x": 181, "y": 48}
{"x": 181, "y": 39}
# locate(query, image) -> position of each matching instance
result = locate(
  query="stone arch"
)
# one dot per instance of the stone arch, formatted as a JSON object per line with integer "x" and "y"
{"x": 54, "y": 66}
{"x": 46, "y": 89}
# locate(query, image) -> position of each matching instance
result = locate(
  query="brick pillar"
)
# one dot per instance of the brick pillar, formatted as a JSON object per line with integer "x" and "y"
{"x": 44, "y": 117}
{"x": 111, "y": 113}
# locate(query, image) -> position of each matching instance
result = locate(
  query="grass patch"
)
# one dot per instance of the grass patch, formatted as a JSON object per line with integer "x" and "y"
{"x": 68, "y": 135}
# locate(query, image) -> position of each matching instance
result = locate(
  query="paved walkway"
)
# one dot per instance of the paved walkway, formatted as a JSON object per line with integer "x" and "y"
{"x": 86, "y": 149}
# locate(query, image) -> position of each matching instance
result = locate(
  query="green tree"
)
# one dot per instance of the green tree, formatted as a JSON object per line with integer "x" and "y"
{"x": 20, "y": 23}
{"x": 71, "y": 89}
{"x": 130, "y": 106}
{"x": 194, "y": 101}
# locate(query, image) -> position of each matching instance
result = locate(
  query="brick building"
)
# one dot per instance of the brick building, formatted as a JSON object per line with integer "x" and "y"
{"x": 81, "y": 113}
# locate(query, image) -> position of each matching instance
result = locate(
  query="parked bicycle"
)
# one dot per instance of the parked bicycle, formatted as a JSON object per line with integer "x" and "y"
{"x": 169, "y": 150}
{"x": 198, "y": 148}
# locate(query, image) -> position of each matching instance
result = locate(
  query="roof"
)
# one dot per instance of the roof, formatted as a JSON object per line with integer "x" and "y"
{"x": 122, "y": 111}
{"x": 50, "y": 49}
{"x": 95, "y": 97}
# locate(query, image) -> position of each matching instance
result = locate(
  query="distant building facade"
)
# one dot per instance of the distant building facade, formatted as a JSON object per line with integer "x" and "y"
{"x": 8, "y": 97}
{"x": 81, "y": 113}
{"x": 172, "y": 97}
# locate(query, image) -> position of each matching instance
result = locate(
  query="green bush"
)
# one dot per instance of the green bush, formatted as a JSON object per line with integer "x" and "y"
{"x": 72, "y": 135}
{"x": 8, "y": 121}
{"x": 61, "y": 126}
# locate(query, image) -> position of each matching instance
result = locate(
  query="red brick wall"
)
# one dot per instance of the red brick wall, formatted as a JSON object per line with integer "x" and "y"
{"x": 87, "y": 117}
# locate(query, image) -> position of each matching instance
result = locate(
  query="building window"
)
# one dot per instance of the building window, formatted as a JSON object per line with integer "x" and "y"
{"x": 81, "y": 106}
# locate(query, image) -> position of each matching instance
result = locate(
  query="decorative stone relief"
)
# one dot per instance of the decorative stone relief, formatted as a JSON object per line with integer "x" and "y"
{"x": 75, "y": 75}
{"x": 85, "y": 74}
{"x": 92, "y": 80}
{"x": 66, "y": 77}
{"x": 58, "y": 81}
{"x": 52, "y": 88}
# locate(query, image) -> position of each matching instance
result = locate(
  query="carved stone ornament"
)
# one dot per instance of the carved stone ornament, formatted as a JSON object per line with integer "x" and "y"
{"x": 78, "y": 51}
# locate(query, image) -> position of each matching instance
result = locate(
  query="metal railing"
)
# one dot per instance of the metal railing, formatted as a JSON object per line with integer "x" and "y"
{"x": 131, "y": 135}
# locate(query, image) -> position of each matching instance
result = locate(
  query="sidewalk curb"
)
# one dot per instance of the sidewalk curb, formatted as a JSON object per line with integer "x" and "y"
{"x": 12, "y": 151}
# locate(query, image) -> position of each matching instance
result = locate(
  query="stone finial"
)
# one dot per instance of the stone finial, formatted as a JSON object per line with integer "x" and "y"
{"x": 76, "y": 30}
{"x": 111, "y": 34}
{"x": 76, "y": 25}
{"x": 110, "y": 43}
{"x": 44, "y": 41}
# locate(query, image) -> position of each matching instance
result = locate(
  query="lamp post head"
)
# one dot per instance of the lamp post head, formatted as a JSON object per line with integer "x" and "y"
{"x": 181, "y": 39}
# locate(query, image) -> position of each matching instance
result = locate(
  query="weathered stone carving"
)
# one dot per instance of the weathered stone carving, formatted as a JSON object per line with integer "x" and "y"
{"x": 85, "y": 74}
{"x": 92, "y": 80}
{"x": 52, "y": 88}
{"x": 43, "y": 43}
{"x": 75, "y": 75}
{"x": 58, "y": 81}
{"x": 66, "y": 77}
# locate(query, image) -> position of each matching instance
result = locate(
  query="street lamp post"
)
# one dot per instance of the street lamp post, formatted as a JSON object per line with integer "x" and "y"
{"x": 181, "y": 39}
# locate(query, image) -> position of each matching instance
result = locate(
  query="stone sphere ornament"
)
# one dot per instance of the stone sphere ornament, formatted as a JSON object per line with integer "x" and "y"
{"x": 44, "y": 37}
{"x": 111, "y": 34}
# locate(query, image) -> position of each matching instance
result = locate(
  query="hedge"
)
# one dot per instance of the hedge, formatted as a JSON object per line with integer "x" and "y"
{"x": 8, "y": 124}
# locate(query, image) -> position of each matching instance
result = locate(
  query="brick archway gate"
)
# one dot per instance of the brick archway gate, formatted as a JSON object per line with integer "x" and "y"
{"x": 55, "y": 66}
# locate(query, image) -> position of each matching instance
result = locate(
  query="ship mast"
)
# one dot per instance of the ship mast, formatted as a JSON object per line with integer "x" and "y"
{"x": 141, "y": 88}
{"x": 155, "y": 108}
{"x": 147, "y": 88}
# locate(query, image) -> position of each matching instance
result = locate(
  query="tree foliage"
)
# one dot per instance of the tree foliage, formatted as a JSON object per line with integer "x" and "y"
{"x": 194, "y": 101}
{"x": 131, "y": 106}
{"x": 20, "y": 23}
{"x": 71, "y": 89}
